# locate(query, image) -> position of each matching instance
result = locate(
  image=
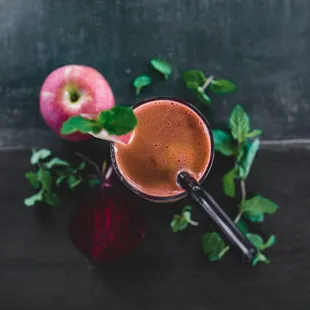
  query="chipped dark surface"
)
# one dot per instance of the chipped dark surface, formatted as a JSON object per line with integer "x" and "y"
{"x": 41, "y": 269}
{"x": 261, "y": 44}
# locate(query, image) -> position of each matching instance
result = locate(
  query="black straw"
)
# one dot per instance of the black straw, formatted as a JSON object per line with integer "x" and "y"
{"x": 218, "y": 218}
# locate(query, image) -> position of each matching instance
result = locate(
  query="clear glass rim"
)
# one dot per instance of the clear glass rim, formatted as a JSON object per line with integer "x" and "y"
{"x": 180, "y": 195}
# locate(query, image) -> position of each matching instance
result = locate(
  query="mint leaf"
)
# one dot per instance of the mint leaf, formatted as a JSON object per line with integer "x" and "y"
{"x": 239, "y": 123}
{"x": 93, "y": 182}
{"x": 118, "y": 121}
{"x": 81, "y": 124}
{"x": 224, "y": 143}
{"x": 222, "y": 86}
{"x": 248, "y": 158}
{"x": 243, "y": 226}
{"x": 73, "y": 181}
{"x": 81, "y": 166}
{"x": 162, "y": 67}
{"x": 194, "y": 78}
{"x": 202, "y": 96}
{"x": 270, "y": 242}
{"x": 229, "y": 182}
{"x": 39, "y": 155}
{"x": 256, "y": 240}
{"x": 187, "y": 213}
{"x": 51, "y": 199}
{"x": 45, "y": 178}
{"x": 254, "y": 133}
{"x": 33, "y": 179}
{"x": 60, "y": 180}
{"x": 180, "y": 222}
{"x": 213, "y": 245}
{"x": 32, "y": 200}
{"x": 56, "y": 161}
{"x": 141, "y": 82}
{"x": 255, "y": 217}
{"x": 256, "y": 207}
{"x": 260, "y": 258}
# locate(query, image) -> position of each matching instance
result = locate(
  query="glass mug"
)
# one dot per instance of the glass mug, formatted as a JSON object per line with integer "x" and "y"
{"x": 217, "y": 217}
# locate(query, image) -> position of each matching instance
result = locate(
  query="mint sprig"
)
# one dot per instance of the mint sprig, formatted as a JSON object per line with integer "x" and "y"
{"x": 196, "y": 81}
{"x": 181, "y": 221}
{"x": 162, "y": 66}
{"x": 116, "y": 121}
{"x": 144, "y": 80}
{"x": 141, "y": 82}
{"x": 214, "y": 246}
{"x": 50, "y": 174}
{"x": 243, "y": 144}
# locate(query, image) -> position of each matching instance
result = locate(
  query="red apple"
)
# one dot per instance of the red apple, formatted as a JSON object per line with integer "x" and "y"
{"x": 74, "y": 90}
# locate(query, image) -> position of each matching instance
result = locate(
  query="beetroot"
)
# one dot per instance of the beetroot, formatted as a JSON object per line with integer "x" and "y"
{"x": 106, "y": 225}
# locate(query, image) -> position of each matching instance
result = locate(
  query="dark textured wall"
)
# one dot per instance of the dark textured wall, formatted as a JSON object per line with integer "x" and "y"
{"x": 263, "y": 45}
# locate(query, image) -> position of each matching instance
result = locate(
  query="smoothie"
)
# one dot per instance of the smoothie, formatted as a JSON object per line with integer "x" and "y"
{"x": 170, "y": 137}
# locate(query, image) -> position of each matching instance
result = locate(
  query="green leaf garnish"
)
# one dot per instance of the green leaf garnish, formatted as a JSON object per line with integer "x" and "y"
{"x": 222, "y": 86}
{"x": 51, "y": 199}
{"x": 202, "y": 96}
{"x": 248, "y": 158}
{"x": 270, "y": 242}
{"x": 256, "y": 207}
{"x": 181, "y": 221}
{"x": 39, "y": 155}
{"x": 73, "y": 181}
{"x": 256, "y": 240}
{"x": 229, "y": 182}
{"x": 45, "y": 178}
{"x": 214, "y": 246}
{"x": 60, "y": 180}
{"x": 140, "y": 82}
{"x": 116, "y": 121}
{"x": 260, "y": 258}
{"x": 194, "y": 79}
{"x": 50, "y": 175}
{"x": 254, "y": 133}
{"x": 239, "y": 124}
{"x": 33, "y": 179}
{"x": 81, "y": 124}
{"x": 56, "y": 161}
{"x": 243, "y": 145}
{"x": 93, "y": 182}
{"x": 255, "y": 217}
{"x": 32, "y": 200}
{"x": 224, "y": 143}
{"x": 81, "y": 166}
{"x": 243, "y": 226}
{"x": 162, "y": 67}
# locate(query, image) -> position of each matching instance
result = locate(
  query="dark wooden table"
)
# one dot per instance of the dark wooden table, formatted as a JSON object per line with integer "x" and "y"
{"x": 262, "y": 45}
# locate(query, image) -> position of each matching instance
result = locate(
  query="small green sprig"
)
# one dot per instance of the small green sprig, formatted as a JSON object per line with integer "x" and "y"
{"x": 181, "y": 221}
{"x": 117, "y": 121}
{"x": 242, "y": 143}
{"x": 144, "y": 80}
{"x": 196, "y": 81}
{"x": 140, "y": 82}
{"x": 51, "y": 173}
{"x": 162, "y": 66}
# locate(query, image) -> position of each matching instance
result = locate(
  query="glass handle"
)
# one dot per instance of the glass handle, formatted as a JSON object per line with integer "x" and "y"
{"x": 223, "y": 224}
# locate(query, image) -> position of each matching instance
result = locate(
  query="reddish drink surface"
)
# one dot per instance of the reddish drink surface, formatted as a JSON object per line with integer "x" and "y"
{"x": 169, "y": 138}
